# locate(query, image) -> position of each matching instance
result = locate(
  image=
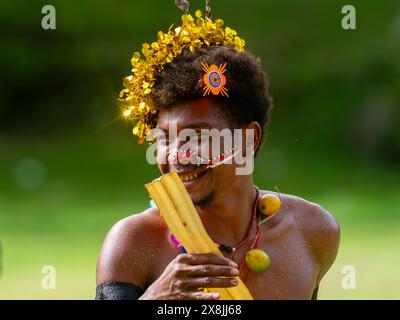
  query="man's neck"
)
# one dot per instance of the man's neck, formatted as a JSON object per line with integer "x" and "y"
{"x": 227, "y": 217}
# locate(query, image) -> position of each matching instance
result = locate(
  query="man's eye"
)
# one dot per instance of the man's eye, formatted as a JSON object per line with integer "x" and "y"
{"x": 191, "y": 136}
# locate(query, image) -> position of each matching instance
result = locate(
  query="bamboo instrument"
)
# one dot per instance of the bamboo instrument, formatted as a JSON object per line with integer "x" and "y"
{"x": 179, "y": 213}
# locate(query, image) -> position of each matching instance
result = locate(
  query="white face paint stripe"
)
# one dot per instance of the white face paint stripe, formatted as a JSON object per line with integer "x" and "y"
{"x": 223, "y": 161}
{"x": 209, "y": 163}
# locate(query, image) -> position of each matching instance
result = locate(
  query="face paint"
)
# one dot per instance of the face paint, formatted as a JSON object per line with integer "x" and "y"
{"x": 208, "y": 163}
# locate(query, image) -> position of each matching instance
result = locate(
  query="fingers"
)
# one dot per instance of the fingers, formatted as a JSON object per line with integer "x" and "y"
{"x": 208, "y": 258}
{"x": 212, "y": 282}
{"x": 202, "y": 296}
{"x": 194, "y": 271}
{"x": 214, "y": 270}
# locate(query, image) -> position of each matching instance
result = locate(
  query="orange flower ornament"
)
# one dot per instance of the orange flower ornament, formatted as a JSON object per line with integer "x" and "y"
{"x": 214, "y": 80}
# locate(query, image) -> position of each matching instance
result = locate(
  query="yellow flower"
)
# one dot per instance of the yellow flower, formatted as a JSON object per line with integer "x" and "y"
{"x": 145, "y": 85}
{"x": 230, "y": 32}
{"x": 142, "y": 105}
{"x": 160, "y": 35}
{"x": 170, "y": 58}
{"x": 187, "y": 18}
{"x": 219, "y": 23}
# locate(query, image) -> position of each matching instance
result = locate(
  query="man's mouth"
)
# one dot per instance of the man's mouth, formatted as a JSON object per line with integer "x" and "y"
{"x": 190, "y": 176}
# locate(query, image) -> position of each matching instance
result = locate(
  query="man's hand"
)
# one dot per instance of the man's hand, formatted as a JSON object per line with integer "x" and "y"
{"x": 187, "y": 273}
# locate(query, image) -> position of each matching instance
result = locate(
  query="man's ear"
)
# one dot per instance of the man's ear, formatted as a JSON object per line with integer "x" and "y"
{"x": 256, "y": 135}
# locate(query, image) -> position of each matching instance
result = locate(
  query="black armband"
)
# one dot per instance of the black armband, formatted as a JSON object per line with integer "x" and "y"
{"x": 118, "y": 291}
{"x": 315, "y": 294}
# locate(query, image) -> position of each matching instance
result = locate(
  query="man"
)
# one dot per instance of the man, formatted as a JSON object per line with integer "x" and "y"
{"x": 138, "y": 259}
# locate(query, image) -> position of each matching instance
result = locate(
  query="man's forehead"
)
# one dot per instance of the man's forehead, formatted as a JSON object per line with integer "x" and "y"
{"x": 201, "y": 113}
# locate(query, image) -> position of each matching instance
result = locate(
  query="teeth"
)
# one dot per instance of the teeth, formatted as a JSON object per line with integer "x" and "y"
{"x": 188, "y": 177}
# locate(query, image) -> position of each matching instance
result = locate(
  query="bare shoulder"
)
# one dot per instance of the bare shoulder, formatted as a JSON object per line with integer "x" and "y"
{"x": 319, "y": 228}
{"x": 311, "y": 217}
{"x": 126, "y": 251}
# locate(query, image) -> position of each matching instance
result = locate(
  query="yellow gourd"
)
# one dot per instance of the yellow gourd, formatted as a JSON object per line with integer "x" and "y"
{"x": 269, "y": 204}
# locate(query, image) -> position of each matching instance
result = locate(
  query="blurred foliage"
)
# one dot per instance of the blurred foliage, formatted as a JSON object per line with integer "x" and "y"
{"x": 70, "y": 168}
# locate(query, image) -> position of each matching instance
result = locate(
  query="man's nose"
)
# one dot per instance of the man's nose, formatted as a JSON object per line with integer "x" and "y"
{"x": 181, "y": 153}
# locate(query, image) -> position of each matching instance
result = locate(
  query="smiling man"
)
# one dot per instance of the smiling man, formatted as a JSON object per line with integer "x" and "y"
{"x": 140, "y": 259}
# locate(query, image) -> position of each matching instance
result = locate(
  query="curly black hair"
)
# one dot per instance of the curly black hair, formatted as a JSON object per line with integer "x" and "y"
{"x": 249, "y": 99}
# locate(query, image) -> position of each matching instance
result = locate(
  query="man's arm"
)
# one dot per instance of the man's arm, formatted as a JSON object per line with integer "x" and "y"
{"x": 322, "y": 233}
{"x": 122, "y": 267}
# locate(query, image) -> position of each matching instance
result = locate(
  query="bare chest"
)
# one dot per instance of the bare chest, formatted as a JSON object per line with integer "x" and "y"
{"x": 291, "y": 275}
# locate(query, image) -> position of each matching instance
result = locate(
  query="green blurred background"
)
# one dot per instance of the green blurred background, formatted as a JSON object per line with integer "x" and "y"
{"x": 70, "y": 168}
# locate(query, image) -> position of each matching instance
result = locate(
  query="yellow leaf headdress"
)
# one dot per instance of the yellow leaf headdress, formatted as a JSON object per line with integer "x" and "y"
{"x": 193, "y": 33}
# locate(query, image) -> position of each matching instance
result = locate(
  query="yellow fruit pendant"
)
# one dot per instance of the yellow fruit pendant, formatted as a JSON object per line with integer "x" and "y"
{"x": 257, "y": 260}
{"x": 269, "y": 204}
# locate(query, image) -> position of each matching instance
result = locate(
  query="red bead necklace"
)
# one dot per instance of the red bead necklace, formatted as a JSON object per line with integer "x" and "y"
{"x": 253, "y": 245}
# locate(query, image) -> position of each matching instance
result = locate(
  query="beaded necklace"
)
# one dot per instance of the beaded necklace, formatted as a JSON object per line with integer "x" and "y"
{"x": 233, "y": 249}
